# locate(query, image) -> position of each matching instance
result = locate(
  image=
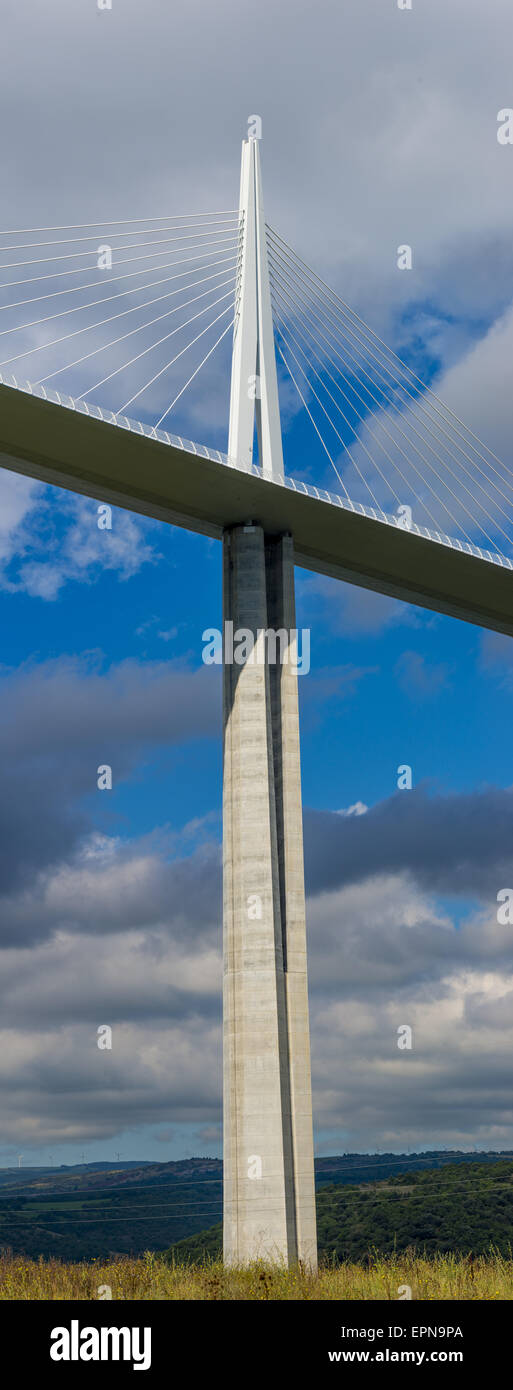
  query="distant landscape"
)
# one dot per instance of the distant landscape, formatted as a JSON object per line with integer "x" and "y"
{"x": 437, "y": 1202}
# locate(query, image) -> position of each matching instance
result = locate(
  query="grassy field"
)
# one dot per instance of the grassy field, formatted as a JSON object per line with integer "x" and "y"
{"x": 149, "y": 1277}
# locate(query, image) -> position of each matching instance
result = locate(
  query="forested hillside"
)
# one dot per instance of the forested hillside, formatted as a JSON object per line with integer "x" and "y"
{"x": 438, "y": 1200}
{"x": 464, "y": 1208}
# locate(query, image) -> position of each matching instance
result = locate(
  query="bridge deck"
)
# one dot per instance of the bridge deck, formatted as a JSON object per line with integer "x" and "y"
{"x": 113, "y": 460}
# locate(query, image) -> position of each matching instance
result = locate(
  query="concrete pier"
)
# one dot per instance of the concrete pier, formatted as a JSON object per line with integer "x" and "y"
{"x": 269, "y": 1199}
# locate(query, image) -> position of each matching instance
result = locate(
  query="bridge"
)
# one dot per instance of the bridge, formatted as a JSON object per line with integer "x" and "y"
{"x": 422, "y": 510}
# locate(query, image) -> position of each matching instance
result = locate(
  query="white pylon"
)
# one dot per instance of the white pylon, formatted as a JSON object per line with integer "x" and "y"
{"x": 254, "y": 387}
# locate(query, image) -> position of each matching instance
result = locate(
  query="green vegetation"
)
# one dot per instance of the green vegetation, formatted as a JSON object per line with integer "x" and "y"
{"x": 466, "y": 1209}
{"x": 462, "y": 1203}
{"x": 72, "y": 1215}
{"x": 446, "y": 1232}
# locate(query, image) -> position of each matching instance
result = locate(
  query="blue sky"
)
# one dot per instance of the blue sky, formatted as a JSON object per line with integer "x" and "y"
{"x": 110, "y": 901}
{"x": 389, "y": 684}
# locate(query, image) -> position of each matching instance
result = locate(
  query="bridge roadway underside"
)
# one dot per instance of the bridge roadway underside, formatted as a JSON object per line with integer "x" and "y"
{"x": 108, "y": 463}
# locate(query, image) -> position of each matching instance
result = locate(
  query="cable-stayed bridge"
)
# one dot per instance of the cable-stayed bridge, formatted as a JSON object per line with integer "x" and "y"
{"x": 81, "y": 330}
{"x": 95, "y": 370}
{"x": 127, "y": 323}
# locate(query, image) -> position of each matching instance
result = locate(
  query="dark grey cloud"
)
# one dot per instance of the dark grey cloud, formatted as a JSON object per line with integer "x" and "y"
{"x": 96, "y": 930}
{"x": 385, "y": 938}
{"x": 129, "y": 890}
{"x": 65, "y": 1088}
{"x": 64, "y": 718}
{"x": 70, "y": 702}
{"x": 381, "y": 955}
{"x": 379, "y": 128}
{"x": 460, "y": 844}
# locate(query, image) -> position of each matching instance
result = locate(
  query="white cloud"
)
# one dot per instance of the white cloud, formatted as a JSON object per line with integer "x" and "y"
{"x": 379, "y": 128}
{"x": 478, "y": 390}
{"x": 18, "y": 497}
{"x": 49, "y": 538}
{"x": 381, "y": 955}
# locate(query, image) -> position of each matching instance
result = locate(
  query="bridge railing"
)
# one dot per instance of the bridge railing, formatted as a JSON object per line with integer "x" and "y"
{"x": 217, "y": 456}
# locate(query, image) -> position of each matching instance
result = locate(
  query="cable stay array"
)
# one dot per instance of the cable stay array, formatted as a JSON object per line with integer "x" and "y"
{"x": 393, "y": 444}
{"x": 125, "y": 316}
{"x": 74, "y": 319}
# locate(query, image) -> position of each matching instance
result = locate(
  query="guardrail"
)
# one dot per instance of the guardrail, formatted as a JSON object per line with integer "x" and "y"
{"x": 320, "y": 494}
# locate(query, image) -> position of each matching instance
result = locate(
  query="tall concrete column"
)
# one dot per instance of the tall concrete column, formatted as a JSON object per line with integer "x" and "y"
{"x": 269, "y": 1198}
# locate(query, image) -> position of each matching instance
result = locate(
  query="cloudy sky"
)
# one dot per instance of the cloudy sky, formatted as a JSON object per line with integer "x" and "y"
{"x": 379, "y": 129}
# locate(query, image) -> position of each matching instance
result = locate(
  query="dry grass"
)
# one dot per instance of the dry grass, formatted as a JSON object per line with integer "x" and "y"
{"x": 448, "y": 1277}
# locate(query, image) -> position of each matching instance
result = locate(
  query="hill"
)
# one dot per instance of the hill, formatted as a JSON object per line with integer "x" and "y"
{"x": 103, "y": 1212}
{"x": 462, "y": 1208}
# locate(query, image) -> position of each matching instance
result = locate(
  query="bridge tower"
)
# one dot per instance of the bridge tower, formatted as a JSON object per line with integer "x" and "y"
{"x": 269, "y": 1198}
